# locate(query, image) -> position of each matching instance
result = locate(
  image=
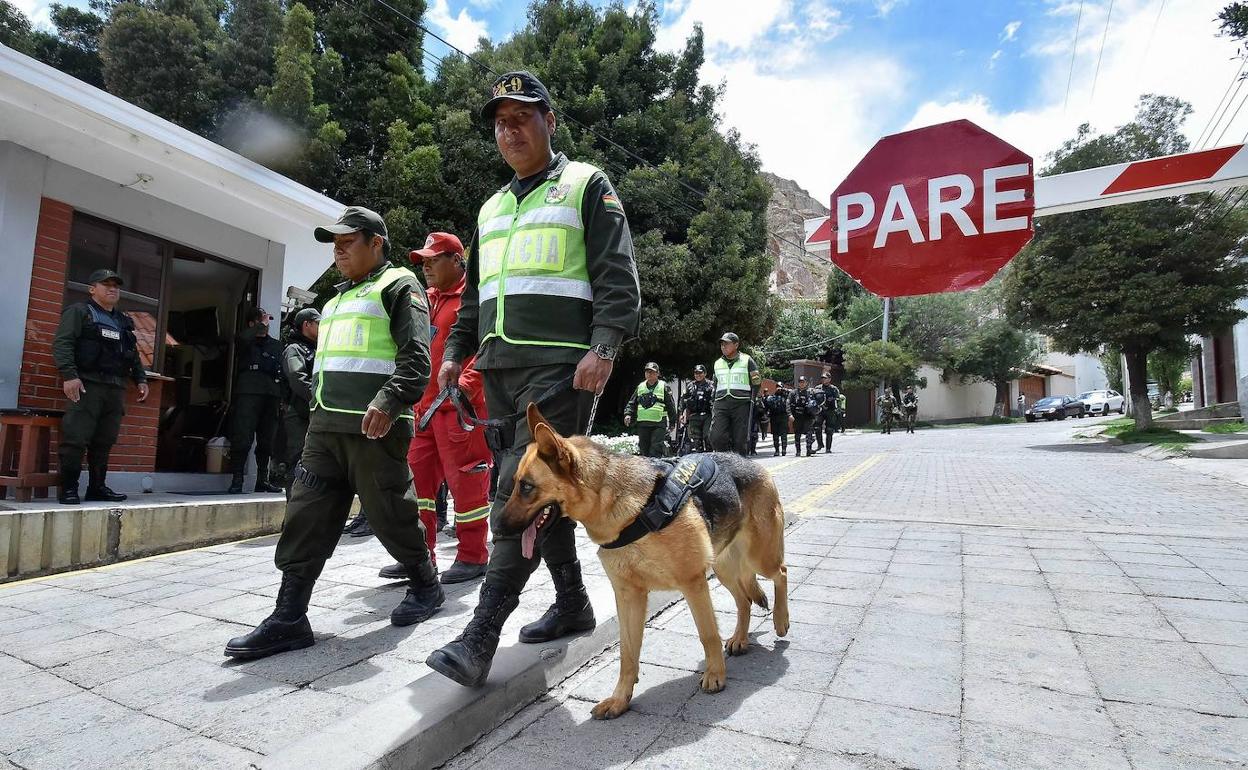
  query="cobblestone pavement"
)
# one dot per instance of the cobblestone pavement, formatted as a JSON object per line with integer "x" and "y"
{"x": 996, "y": 597}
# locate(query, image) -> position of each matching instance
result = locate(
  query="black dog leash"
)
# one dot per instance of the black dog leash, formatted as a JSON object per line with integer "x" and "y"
{"x": 495, "y": 428}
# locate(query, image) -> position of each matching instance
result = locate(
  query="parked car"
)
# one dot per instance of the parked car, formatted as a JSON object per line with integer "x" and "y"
{"x": 1055, "y": 408}
{"x": 1104, "y": 401}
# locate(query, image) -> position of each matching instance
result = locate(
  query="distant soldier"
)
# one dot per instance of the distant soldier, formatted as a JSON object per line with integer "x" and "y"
{"x": 804, "y": 408}
{"x": 96, "y": 353}
{"x": 909, "y": 407}
{"x": 695, "y": 411}
{"x": 777, "y": 405}
{"x": 297, "y": 362}
{"x": 829, "y": 397}
{"x": 887, "y": 406}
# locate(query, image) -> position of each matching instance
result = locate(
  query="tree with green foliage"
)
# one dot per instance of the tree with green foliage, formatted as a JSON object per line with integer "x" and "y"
{"x": 801, "y": 332}
{"x": 247, "y": 54}
{"x": 1166, "y": 367}
{"x": 994, "y": 352}
{"x": 869, "y": 364}
{"x": 1111, "y": 360}
{"x": 15, "y": 29}
{"x": 1140, "y": 277}
{"x": 75, "y": 46}
{"x": 841, "y": 291}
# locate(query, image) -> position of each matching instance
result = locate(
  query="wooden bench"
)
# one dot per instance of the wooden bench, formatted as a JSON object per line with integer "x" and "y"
{"x": 25, "y": 453}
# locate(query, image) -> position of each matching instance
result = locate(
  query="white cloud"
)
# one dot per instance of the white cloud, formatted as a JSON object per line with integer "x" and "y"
{"x": 38, "y": 11}
{"x": 1010, "y": 31}
{"x": 992, "y": 60}
{"x": 885, "y": 7}
{"x": 730, "y": 23}
{"x": 462, "y": 30}
{"x": 1186, "y": 59}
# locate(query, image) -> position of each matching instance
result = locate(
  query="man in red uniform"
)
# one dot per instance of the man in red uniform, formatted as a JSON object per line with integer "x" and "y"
{"x": 444, "y": 450}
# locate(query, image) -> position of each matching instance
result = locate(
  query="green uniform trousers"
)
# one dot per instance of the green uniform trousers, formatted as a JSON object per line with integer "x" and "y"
{"x": 296, "y": 426}
{"x": 346, "y": 465}
{"x": 699, "y": 434}
{"x": 507, "y": 392}
{"x": 730, "y": 425}
{"x": 255, "y": 415}
{"x": 652, "y": 438}
{"x": 804, "y": 428}
{"x": 91, "y": 423}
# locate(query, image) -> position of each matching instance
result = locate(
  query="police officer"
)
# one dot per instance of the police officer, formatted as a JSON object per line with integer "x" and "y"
{"x": 777, "y": 404}
{"x": 759, "y": 420}
{"x": 695, "y": 411}
{"x": 297, "y": 361}
{"x": 805, "y": 408}
{"x": 651, "y": 407}
{"x": 257, "y": 399}
{"x": 736, "y": 378}
{"x": 371, "y": 366}
{"x": 887, "y": 405}
{"x": 534, "y": 329}
{"x": 841, "y": 402}
{"x": 910, "y": 407}
{"x": 829, "y": 398}
{"x": 95, "y": 352}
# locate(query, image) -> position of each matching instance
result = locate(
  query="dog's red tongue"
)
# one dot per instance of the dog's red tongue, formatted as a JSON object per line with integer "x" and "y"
{"x": 529, "y": 539}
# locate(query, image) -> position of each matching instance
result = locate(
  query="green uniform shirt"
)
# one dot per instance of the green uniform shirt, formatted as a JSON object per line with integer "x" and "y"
{"x": 73, "y": 319}
{"x": 257, "y": 382}
{"x": 404, "y": 301}
{"x": 612, "y": 276}
{"x": 669, "y": 403}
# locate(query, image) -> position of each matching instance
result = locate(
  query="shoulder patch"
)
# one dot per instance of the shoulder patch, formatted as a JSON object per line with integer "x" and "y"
{"x": 612, "y": 203}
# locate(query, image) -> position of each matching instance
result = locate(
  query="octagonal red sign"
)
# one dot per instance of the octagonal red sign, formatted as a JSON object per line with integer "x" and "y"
{"x": 936, "y": 209}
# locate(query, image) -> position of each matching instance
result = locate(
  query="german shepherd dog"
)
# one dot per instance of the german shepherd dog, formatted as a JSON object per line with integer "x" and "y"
{"x": 605, "y": 492}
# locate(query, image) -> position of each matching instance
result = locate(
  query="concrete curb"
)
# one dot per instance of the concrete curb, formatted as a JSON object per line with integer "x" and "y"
{"x": 433, "y": 719}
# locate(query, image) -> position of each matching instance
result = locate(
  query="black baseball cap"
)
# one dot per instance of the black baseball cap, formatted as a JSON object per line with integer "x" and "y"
{"x": 699, "y": 368}
{"x": 304, "y": 316}
{"x": 730, "y": 337}
{"x": 104, "y": 274}
{"x": 354, "y": 219}
{"x": 520, "y": 86}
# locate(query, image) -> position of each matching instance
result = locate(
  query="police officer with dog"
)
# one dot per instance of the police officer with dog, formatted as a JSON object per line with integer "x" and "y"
{"x": 736, "y": 379}
{"x": 695, "y": 412}
{"x": 257, "y": 400}
{"x": 651, "y": 406}
{"x": 96, "y": 352}
{"x": 552, "y": 293}
{"x": 297, "y": 360}
{"x": 372, "y": 364}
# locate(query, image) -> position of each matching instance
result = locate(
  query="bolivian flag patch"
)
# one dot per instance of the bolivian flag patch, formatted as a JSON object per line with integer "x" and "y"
{"x": 612, "y": 203}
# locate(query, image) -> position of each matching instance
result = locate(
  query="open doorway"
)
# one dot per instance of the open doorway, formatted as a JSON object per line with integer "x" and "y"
{"x": 206, "y": 299}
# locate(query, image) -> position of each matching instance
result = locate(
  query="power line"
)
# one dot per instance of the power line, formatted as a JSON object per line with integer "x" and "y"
{"x": 1101, "y": 53}
{"x": 1214, "y": 142}
{"x": 1148, "y": 46}
{"x": 1215, "y": 117}
{"x": 820, "y": 342}
{"x": 1074, "y": 50}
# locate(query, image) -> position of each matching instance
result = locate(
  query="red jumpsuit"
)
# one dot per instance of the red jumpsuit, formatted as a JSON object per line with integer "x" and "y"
{"x": 445, "y": 451}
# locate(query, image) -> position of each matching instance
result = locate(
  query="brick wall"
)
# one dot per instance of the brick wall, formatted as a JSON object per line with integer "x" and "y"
{"x": 39, "y": 386}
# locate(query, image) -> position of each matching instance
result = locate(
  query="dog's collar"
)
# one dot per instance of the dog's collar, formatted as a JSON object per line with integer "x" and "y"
{"x": 675, "y": 485}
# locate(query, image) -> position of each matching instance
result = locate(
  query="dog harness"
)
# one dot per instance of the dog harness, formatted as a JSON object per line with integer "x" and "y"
{"x": 676, "y": 484}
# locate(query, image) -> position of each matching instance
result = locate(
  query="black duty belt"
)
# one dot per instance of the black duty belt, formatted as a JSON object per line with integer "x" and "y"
{"x": 688, "y": 477}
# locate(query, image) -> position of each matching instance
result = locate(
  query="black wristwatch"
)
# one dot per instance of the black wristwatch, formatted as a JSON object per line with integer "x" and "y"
{"x": 604, "y": 351}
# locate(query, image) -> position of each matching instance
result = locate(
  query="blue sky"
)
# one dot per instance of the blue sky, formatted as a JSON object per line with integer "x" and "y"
{"x": 813, "y": 83}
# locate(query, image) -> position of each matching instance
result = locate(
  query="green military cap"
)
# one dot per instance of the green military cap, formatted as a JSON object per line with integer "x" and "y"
{"x": 520, "y": 86}
{"x": 652, "y": 367}
{"x": 308, "y": 314}
{"x": 354, "y": 219}
{"x": 729, "y": 337}
{"x": 104, "y": 274}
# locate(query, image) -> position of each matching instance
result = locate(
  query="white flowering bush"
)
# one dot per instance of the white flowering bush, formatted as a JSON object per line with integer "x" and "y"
{"x": 627, "y": 445}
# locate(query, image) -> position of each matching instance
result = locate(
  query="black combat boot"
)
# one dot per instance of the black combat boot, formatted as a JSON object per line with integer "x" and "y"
{"x": 262, "y": 476}
{"x": 286, "y": 629}
{"x": 68, "y": 495}
{"x": 395, "y": 571}
{"x": 97, "y": 490}
{"x": 424, "y": 596}
{"x": 571, "y": 612}
{"x": 467, "y": 659}
{"x": 236, "y": 483}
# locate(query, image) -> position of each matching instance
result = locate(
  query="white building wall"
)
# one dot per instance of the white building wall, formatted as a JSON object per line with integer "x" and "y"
{"x": 1089, "y": 373}
{"x": 1240, "y": 333}
{"x": 21, "y": 177}
{"x": 953, "y": 400}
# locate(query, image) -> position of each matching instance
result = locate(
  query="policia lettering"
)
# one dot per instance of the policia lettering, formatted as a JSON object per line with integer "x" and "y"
{"x": 96, "y": 353}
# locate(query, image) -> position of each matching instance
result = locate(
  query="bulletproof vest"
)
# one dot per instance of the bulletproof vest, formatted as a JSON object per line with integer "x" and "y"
{"x": 804, "y": 402}
{"x": 106, "y": 345}
{"x": 777, "y": 402}
{"x": 263, "y": 358}
{"x": 698, "y": 398}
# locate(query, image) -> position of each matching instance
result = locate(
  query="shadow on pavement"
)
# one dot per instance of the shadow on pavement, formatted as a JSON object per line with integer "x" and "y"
{"x": 1090, "y": 448}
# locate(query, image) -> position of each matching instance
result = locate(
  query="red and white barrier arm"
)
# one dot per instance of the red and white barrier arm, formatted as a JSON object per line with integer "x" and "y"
{"x": 1182, "y": 174}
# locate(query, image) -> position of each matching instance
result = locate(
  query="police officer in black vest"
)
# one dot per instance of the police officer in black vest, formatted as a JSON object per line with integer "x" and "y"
{"x": 257, "y": 400}
{"x": 805, "y": 408}
{"x": 695, "y": 412}
{"x": 297, "y": 362}
{"x": 96, "y": 352}
{"x": 825, "y": 425}
{"x": 777, "y": 405}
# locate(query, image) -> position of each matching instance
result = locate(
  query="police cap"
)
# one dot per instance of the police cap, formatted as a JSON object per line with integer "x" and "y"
{"x": 652, "y": 367}
{"x": 730, "y": 337}
{"x": 308, "y": 314}
{"x": 800, "y": 380}
{"x": 354, "y": 219}
{"x": 699, "y": 369}
{"x": 104, "y": 274}
{"x": 520, "y": 86}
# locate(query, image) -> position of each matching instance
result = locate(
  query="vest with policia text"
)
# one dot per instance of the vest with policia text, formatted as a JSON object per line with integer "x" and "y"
{"x": 355, "y": 351}
{"x": 533, "y": 281}
{"x": 732, "y": 380}
{"x": 650, "y": 403}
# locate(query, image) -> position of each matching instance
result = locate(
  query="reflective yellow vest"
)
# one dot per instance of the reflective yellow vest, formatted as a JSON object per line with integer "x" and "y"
{"x": 533, "y": 281}
{"x": 657, "y": 411}
{"x": 732, "y": 380}
{"x": 354, "y": 350}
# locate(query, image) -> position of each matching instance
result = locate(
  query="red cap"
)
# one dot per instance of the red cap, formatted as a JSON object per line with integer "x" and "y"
{"x": 439, "y": 243}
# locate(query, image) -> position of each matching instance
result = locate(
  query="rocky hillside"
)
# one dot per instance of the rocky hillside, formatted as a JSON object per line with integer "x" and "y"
{"x": 796, "y": 274}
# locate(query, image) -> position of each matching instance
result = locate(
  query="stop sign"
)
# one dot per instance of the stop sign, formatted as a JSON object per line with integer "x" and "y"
{"x": 937, "y": 209}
